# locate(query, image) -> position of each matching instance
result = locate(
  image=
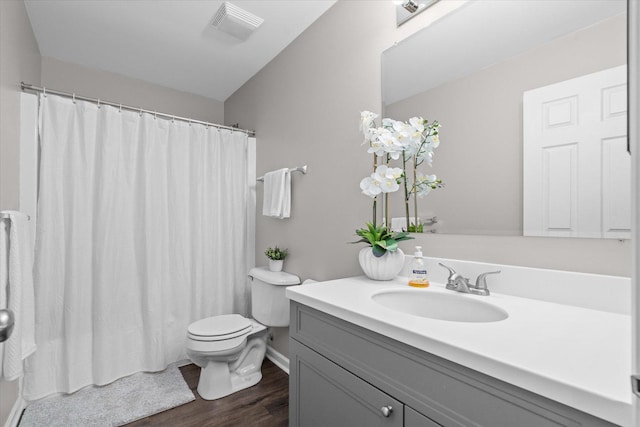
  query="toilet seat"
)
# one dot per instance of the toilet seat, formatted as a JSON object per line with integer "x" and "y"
{"x": 220, "y": 328}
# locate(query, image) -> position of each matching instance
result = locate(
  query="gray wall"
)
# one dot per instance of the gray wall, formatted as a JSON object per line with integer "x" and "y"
{"x": 19, "y": 60}
{"x": 113, "y": 87}
{"x": 480, "y": 157}
{"x": 305, "y": 106}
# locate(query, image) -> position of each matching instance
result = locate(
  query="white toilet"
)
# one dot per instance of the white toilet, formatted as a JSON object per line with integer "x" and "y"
{"x": 230, "y": 348}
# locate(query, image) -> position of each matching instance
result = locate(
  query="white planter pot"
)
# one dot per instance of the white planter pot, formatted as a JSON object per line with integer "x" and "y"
{"x": 386, "y": 267}
{"x": 276, "y": 264}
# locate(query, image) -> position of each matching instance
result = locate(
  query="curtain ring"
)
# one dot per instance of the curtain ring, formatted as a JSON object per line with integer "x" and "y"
{"x": 141, "y": 112}
{"x": 120, "y": 109}
{"x": 44, "y": 92}
{"x": 173, "y": 119}
{"x": 155, "y": 115}
{"x": 98, "y": 103}
{"x": 189, "y": 122}
{"x": 74, "y": 98}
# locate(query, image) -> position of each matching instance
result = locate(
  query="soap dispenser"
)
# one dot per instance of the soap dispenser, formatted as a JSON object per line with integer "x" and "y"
{"x": 418, "y": 278}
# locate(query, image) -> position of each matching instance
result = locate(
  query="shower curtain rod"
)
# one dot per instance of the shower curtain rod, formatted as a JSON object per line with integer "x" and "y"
{"x": 44, "y": 91}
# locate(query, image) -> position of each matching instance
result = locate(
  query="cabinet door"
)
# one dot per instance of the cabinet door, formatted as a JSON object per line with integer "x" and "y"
{"x": 324, "y": 394}
{"x": 414, "y": 418}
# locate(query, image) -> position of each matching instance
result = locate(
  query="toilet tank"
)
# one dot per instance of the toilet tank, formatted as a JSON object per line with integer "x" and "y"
{"x": 269, "y": 305}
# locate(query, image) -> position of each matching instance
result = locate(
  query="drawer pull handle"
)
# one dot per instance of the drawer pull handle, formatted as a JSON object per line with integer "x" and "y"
{"x": 386, "y": 410}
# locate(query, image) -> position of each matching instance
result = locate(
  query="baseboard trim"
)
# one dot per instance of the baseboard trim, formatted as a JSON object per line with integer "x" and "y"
{"x": 183, "y": 362}
{"x": 278, "y": 359}
{"x": 16, "y": 412}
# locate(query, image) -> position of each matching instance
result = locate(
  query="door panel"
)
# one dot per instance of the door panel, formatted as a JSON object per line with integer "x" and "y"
{"x": 577, "y": 172}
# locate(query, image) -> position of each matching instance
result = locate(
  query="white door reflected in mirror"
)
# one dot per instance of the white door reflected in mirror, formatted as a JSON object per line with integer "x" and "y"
{"x": 577, "y": 172}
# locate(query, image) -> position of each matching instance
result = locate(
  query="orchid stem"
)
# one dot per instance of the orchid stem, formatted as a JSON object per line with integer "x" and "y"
{"x": 415, "y": 193}
{"x": 375, "y": 199}
{"x": 386, "y": 205}
{"x": 406, "y": 190}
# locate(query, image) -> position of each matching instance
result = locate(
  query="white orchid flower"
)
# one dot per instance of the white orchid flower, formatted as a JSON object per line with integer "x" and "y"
{"x": 387, "y": 123}
{"x": 417, "y": 135}
{"x": 417, "y": 123}
{"x": 425, "y": 156}
{"x": 388, "y": 178}
{"x": 423, "y": 190}
{"x": 386, "y": 143}
{"x": 370, "y": 186}
{"x": 433, "y": 140}
{"x": 393, "y": 173}
{"x": 367, "y": 120}
{"x": 402, "y": 129}
{"x": 367, "y": 123}
{"x": 379, "y": 142}
{"x": 426, "y": 183}
{"x": 393, "y": 142}
{"x": 390, "y": 186}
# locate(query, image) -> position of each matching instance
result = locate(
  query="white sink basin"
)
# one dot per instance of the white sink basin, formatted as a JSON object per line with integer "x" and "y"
{"x": 452, "y": 307}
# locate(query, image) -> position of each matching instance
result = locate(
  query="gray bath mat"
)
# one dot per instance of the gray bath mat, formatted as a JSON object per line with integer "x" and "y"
{"x": 123, "y": 401}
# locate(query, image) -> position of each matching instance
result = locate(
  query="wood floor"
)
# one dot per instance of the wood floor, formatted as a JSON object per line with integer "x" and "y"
{"x": 266, "y": 404}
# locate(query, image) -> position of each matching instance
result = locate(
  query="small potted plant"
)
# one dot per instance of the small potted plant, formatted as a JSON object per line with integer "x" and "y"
{"x": 382, "y": 259}
{"x": 276, "y": 258}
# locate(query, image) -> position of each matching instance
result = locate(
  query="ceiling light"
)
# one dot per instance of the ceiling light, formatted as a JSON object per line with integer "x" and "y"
{"x": 236, "y": 21}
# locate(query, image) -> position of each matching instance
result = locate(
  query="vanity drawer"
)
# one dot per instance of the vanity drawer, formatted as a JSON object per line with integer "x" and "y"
{"x": 324, "y": 394}
{"x": 447, "y": 393}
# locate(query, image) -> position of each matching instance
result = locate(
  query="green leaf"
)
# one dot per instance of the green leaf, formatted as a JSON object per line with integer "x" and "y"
{"x": 399, "y": 237}
{"x": 363, "y": 240}
{"x": 391, "y": 245}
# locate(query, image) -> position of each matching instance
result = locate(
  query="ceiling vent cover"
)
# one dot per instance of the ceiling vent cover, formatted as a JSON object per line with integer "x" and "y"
{"x": 236, "y": 21}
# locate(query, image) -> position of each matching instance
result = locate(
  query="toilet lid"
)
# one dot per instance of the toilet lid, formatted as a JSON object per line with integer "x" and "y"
{"x": 220, "y": 326}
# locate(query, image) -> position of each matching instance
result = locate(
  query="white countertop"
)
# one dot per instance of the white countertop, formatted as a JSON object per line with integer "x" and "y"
{"x": 576, "y": 356}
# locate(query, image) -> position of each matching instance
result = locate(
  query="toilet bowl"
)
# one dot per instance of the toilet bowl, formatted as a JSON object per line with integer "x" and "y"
{"x": 230, "y": 348}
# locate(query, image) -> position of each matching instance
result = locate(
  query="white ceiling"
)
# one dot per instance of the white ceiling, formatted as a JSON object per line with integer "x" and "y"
{"x": 169, "y": 42}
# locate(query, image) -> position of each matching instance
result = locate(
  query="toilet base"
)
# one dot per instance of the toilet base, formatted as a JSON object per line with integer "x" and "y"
{"x": 223, "y": 373}
{"x": 216, "y": 381}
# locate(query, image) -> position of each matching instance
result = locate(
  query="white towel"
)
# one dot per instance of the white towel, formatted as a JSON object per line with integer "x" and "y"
{"x": 277, "y": 194}
{"x": 16, "y": 281}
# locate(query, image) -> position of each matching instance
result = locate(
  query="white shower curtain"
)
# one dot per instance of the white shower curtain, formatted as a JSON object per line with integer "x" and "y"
{"x": 141, "y": 230}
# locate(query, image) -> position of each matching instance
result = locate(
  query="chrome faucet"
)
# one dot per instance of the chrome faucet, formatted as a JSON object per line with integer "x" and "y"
{"x": 456, "y": 281}
{"x": 459, "y": 283}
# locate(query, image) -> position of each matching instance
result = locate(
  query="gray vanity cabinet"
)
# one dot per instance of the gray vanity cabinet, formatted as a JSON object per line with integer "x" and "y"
{"x": 328, "y": 395}
{"x": 345, "y": 375}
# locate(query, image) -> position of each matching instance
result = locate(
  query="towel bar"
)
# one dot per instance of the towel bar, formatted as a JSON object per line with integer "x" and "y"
{"x": 302, "y": 169}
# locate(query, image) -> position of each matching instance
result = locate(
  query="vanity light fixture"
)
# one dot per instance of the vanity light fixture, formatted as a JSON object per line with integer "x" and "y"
{"x": 407, "y": 9}
{"x": 236, "y": 21}
{"x": 411, "y": 5}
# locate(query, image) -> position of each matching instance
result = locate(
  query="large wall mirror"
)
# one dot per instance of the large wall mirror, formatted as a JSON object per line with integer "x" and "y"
{"x": 507, "y": 81}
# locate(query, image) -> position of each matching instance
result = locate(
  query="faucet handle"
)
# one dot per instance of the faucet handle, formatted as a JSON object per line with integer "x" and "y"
{"x": 452, "y": 272}
{"x": 481, "y": 281}
{"x": 455, "y": 279}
